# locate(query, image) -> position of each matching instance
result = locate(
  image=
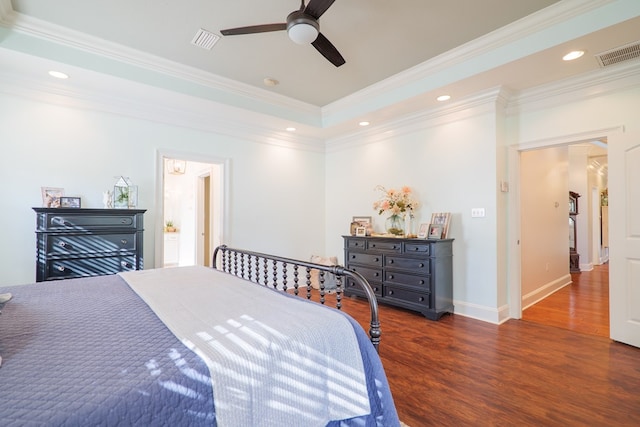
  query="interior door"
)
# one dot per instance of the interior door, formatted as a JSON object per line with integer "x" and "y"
{"x": 624, "y": 235}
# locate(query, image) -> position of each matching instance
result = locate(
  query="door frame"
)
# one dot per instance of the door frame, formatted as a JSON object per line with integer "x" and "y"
{"x": 514, "y": 287}
{"x": 222, "y": 199}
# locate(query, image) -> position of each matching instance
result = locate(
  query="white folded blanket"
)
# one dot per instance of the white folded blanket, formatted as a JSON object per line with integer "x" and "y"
{"x": 274, "y": 360}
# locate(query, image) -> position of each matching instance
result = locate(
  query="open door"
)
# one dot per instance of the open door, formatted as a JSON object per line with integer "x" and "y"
{"x": 624, "y": 234}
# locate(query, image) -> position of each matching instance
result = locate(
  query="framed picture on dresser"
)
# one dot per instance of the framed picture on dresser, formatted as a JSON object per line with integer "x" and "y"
{"x": 443, "y": 219}
{"x": 70, "y": 202}
{"x": 423, "y": 231}
{"x": 51, "y": 196}
{"x": 435, "y": 231}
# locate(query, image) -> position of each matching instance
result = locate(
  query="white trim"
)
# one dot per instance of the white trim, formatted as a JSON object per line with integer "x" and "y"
{"x": 544, "y": 291}
{"x": 144, "y": 102}
{"x": 578, "y": 88}
{"x": 97, "y": 46}
{"x": 480, "y": 312}
{"x": 479, "y": 103}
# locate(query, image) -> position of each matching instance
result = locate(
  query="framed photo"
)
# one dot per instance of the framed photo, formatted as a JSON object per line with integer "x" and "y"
{"x": 361, "y": 231}
{"x": 443, "y": 219}
{"x": 423, "y": 231}
{"x": 435, "y": 231}
{"x": 70, "y": 202}
{"x": 363, "y": 221}
{"x": 51, "y": 196}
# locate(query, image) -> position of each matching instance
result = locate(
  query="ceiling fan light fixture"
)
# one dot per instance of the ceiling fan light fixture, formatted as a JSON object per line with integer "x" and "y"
{"x": 302, "y": 28}
{"x": 303, "y": 33}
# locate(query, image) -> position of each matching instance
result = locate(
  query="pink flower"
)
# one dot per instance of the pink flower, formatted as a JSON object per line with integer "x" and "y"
{"x": 395, "y": 202}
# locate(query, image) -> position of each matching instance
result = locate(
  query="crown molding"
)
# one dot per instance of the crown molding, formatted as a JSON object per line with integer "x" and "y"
{"x": 483, "y": 102}
{"x": 250, "y": 96}
{"x": 585, "y": 86}
{"x": 500, "y": 38}
{"x": 7, "y": 15}
{"x": 135, "y": 100}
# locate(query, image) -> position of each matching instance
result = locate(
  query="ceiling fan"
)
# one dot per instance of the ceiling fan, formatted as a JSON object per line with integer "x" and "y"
{"x": 302, "y": 26}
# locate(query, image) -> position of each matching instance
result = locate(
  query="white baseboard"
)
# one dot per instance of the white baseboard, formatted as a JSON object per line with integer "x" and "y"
{"x": 544, "y": 291}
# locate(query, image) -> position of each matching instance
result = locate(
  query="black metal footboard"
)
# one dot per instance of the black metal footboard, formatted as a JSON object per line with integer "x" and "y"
{"x": 285, "y": 274}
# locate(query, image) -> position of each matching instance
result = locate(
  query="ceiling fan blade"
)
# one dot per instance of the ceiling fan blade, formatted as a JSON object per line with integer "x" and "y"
{"x": 316, "y": 8}
{"x": 254, "y": 29}
{"x": 324, "y": 46}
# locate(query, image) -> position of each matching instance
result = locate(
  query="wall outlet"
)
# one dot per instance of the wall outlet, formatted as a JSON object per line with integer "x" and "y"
{"x": 477, "y": 213}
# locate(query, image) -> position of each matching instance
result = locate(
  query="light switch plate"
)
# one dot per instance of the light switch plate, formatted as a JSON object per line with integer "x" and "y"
{"x": 477, "y": 213}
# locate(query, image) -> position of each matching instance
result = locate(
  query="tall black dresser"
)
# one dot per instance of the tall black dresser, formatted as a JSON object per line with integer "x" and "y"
{"x": 75, "y": 242}
{"x": 415, "y": 274}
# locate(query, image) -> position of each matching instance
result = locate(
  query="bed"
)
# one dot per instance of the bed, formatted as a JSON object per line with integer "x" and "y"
{"x": 191, "y": 346}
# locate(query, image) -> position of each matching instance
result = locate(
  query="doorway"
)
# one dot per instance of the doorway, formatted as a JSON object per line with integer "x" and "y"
{"x": 519, "y": 296}
{"x": 191, "y": 218}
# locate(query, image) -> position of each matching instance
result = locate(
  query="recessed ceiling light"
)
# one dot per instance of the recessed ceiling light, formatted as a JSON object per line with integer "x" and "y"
{"x": 364, "y": 123}
{"x": 442, "y": 98}
{"x": 58, "y": 74}
{"x": 291, "y": 129}
{"x": 270, "y": 82}
{"x": 573, "y": 55}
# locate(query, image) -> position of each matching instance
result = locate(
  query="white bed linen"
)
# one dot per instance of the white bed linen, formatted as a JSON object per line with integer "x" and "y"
{"x": 274, "y": 361}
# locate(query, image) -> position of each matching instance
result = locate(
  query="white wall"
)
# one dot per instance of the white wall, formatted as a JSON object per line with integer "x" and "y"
{"x": 277, "y": 193}
{"x": 544, "y": 222}
{"x": 570, "y": 112}
{"x": 450, "y": 163}
{"x": 579, "y": 183}
{"x": 297, "y": 201}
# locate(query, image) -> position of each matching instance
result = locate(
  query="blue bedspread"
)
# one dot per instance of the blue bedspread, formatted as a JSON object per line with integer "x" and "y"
{"x": 90, "y": 352}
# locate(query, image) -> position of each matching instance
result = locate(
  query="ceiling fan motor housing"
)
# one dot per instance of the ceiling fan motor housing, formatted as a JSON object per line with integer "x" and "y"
{"x": 302, "y": 28}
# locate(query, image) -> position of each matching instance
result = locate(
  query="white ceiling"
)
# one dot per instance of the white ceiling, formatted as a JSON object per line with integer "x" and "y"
{"x": 377, "y": 38}
{"x": 399, "y": 54}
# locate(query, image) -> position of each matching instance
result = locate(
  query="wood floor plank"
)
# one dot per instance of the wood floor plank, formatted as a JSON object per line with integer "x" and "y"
{"x": 464, "y": 372}
{"x": 582, "y": 306}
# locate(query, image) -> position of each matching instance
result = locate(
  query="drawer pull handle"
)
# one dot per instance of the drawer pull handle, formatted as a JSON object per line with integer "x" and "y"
{"x": 126, "y": 264}
{"x": 391, "y": 261}
{"x": 391, "y": 276}
{"x": 416, "y": 249}
{"x": 422, "y": 282}
{"x": 421, "y": 299}
{"x": 421, "y": 265}
{"x": 376, "y": 274}
{"x": 353, "y": 257}
{"x": 59, "y": 221}
{"x": 60, "y": 268}
{"x": 123, "y": 221}
{"x": 62, "y": 244}
{"x": 123, "y": 241}
{"x": 377, "y": 259}
{"x": 390, "y": 293}
{"x": 375, "y": 289}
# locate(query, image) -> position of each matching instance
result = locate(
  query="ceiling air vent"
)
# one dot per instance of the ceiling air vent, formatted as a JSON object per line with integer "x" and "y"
{"x": 619, "y": 54}
{"x": 205, "y": 39}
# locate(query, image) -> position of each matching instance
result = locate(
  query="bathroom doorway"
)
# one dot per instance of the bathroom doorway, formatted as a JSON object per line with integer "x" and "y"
{"x": 192, "y": 211}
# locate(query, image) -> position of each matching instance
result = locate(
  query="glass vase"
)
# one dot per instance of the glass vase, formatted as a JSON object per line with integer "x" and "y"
{"x": 395, "y": 225}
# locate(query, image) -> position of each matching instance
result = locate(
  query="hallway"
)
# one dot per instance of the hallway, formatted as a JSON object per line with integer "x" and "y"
{"x": 582, "y": 306}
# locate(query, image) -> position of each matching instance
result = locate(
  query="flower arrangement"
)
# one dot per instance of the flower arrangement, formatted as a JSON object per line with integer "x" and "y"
{"x": 394, "y": 202}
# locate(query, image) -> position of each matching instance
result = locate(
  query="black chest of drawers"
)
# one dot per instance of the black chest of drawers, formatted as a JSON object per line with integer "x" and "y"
{"x": 87, "y": 242}
{"x": 409, "y": 273}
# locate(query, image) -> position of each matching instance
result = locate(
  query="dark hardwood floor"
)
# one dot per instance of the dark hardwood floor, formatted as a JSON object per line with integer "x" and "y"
{"x": 464, "y": 372}
{"x": 582, "y": 306}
